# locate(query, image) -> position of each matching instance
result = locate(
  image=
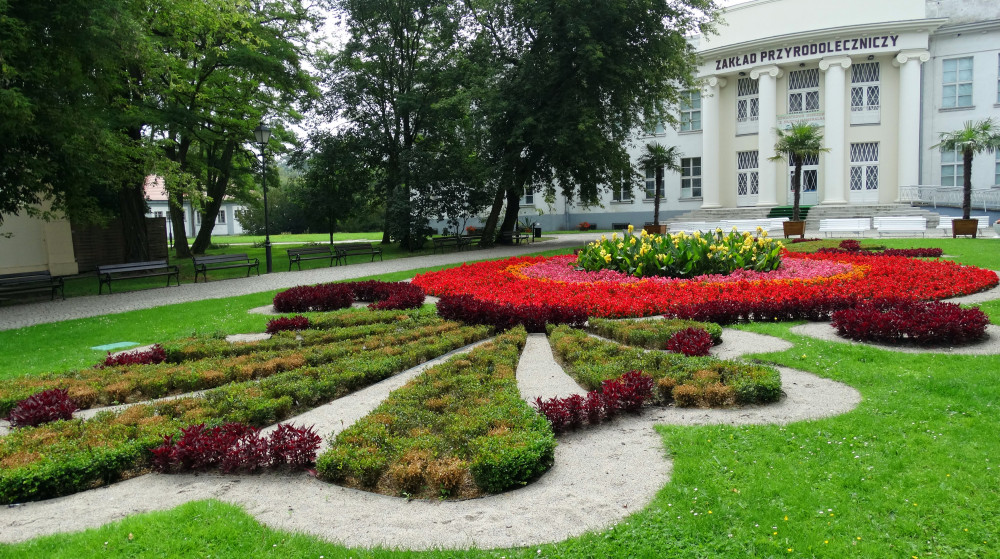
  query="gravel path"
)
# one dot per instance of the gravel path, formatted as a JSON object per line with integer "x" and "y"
{"x": 600, "y": 476}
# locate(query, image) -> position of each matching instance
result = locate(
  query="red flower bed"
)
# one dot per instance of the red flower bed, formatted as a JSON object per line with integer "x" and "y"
{"x": 900, "y": 321}
{"x": 333, "y": 296}
{"x": 868, "y": 277}
{"x": 151, "y": 356}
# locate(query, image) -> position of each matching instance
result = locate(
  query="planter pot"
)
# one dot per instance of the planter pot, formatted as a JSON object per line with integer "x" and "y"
{"x": 996, "y": 229}
{"x": 794, "y": 228}
{"x": 655, "y": 229}
{"x": 964, "y": 227}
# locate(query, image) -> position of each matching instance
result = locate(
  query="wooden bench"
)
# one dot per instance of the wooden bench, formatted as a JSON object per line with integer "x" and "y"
{"x": 343, "y": 250}
{"x": 136, "y": 270}
{"x": 31, "y": 282}
{"x": 845, "y": 225}
{"x": 900, "y": 224}
{"x": 984, "y": 222}
{"x": 202, "y": 264}
{"x": 297, "y": 255}
{"x": 452, "y": 241}
{"x": 515, "y": 237}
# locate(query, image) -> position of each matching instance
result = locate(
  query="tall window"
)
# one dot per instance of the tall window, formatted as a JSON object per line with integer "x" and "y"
{"x": 996, "y": 175}
{"x": 747, "y": 181}
{"x": 222, "y": 216}
{"x": 864, "y": 166}
{"x": 651, "y": 183}
{"x": 690, "y": 110}
{"x": 747, "y": 106}
{"x": 810, "y": 174}
{"x": 803, "y": 90}
{"x": 690, "y": 177}
{"x": 956, "y": 83}
{"x": 656, "y": 130}
{"x": 865, "y": 93}
{"x": 952, "y": 168}
{"x": 529, "y": 196}
{"x": 998, "y": 82}
{"x": 157, "y": 214}
{"x": 621, "y": 192}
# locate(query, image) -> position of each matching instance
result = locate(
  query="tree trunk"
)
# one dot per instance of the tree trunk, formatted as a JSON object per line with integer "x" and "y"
{"x": 966, "y": 183}
{"x": 510, "y": 216}
{"x": 217, "y": 183}
{"x": 490, "y": 227}
{"x": 796, "y": 178}
{"x": 181, "y": 249}
{"x": 656, "y": 195}
{"x": 132, "y": 206}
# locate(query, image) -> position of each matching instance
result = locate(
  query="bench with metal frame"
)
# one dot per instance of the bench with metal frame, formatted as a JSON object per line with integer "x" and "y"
{"x": 451, "y": 241}
{"x": 297, "y": 255}
{"x": 900, "y": 224}
{"x": 343, "y": 250}
{"x": 202, "y": 264}
{"x": 845, "y": 225}
{"x": 31, "y": 282}
{"x": 136, "y": 270}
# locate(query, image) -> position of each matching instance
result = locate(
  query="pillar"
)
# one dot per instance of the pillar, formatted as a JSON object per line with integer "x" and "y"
{"x": 710, "y": 178}
{"x": 908, "y": 158}
{"x": 767, "y": 170}
{"x": 834, "y": 138}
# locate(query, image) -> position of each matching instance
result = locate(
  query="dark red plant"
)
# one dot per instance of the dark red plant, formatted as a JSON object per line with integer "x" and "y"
{"x": 151, "y": 356}
{"x": 43, "y": 407}
{"x": 388, "y": 295}
{"x": 626, "y": 393}
{"x": 502, "y": 316}
{"x": 297, "y": 322}
{"x": 317, "y": 298}
{"x": 235, "y": 447}
{"x": 693, "y": 342}
{"x": 850, "y": 245}
{"x": 295, "y": 446}
{"x": 899, "y": 320}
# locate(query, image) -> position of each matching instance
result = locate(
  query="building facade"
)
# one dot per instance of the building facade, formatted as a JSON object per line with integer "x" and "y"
{"x": 882, "y": 79}
{"x": 159, "y": 206}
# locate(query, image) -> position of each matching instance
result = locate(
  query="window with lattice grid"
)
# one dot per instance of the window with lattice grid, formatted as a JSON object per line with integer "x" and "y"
{"x": 747, "y": 105}
{"x": 657, "y": 130}
{"x": 651, "y": 183}
{"x": 690, "y": 110}
{"x": 865, "y": 86}
{"x": 956, "y": 82}
{"x": 690, "y": 177}
{"x": 952, "y": 168}
{"x": 996, "y": 175}
{"x": 810, "y": 174}
{"x": 998, "y": 84}
{"x": 864, "y": 166}
{"x": 746, "y": 174}
{"x": 803, "y": 90}
{"x": 529, "y": 196}
{"x": 621, "y": 189}
{"x": 222, "y": 217}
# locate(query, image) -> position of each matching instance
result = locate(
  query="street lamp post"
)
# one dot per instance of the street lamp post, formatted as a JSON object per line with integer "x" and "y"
{"x": 263, "y": 134}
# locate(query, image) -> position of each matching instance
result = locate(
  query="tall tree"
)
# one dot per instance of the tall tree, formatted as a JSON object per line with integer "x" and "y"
{"x": 568, "y": 81}
{"x": 974, "y": 138}
{"x": 800, "y": 141}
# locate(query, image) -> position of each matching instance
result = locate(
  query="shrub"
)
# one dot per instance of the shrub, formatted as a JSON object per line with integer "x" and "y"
{"x": 718, "y": 395}
{"x": 235, "y": 447}
{"x": 690, "y": 342}
{"x": 294, "y": 446}
{"x": 897, "y": 321}
{"x": 687, "y": 395}
{"x": 503, "y": 316}
{"x": 43, "y": 407}
{"x": 627, "y": 393}
{"x": 850, "y": 246}
{"x": 722, "y": 311}
{"x": 151, "y": 356}
{"x": 282, "y": 324}
{"x": 447, "y": 474}
{"x": 388, "y": 295}
{"x": 317, "y": 298}
{"x": 650, "y": 334}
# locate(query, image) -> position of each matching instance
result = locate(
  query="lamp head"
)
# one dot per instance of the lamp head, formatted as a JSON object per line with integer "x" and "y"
{"x": 262, "y": 134}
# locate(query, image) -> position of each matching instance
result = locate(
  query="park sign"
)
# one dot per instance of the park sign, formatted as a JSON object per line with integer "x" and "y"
{"x": 835, "y": 46}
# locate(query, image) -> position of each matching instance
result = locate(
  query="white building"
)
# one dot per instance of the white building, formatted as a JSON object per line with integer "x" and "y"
{"x": 883, "y": 79}
{"x": 158, "y": 201}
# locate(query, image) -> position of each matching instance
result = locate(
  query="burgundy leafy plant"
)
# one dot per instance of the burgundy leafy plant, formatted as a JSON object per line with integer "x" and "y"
{"x": 295, "y": 446}
{"x": 388, "y": 295}
{"x": 850, "y": 245}
{"x": 794, "y": 241}
{"x": 151, "y": 356}
{"x": 503, "y": 316}
{"x": 317, "y": 298}
{"x": 43, "y": 407}
{"x": 626, "y": 393}
{"x": 693, "y": 342}
{"x": 725, "y": 311}
{"x": 235, "y": 447}
{"x": 297, "y": 322}
{"x": 899, "y": 321}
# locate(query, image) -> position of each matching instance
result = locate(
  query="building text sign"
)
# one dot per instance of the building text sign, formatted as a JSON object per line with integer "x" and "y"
{"x": 827, "y": 47}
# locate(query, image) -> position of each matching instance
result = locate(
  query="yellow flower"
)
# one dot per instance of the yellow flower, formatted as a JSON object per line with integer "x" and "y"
{"x": 607, "y": 258}
{"x": 631, "y": 241}
{"x": 631, "y": 228}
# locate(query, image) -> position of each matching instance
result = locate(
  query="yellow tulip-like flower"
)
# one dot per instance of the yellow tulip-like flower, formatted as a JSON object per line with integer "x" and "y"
{"x": 604, "y": 239}
{"x": 621, "y": 245}
{"x": 719, "y": 229}
{"x": 607, "y": 258}
{"x": 644, "y": 233}
{"x": 697, "y": 234}
{"x": 763, "y": 233}
{"x": 631, "y": 241}
{"x": 631, "y": 228}
{"x": 613, "y": 236}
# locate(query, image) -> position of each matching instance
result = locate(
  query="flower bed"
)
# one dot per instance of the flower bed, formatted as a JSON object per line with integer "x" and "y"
{"x": 650, "y": 334}
{"x": 902, "y": 321}
{"x": 502, "y": 316}
{"x": 851, "y": 246}
{"x": 807, "y": 286}
{"x": 333, "y": 296}
{"x": 626, "y": 393}
{"x": 460, "y": 429}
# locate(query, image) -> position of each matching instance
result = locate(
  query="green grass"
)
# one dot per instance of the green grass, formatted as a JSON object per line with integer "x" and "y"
{"x": 913, "y": 471}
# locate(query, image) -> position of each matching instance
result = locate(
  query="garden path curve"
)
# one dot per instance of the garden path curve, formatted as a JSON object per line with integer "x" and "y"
{"x": 600, "y": 475}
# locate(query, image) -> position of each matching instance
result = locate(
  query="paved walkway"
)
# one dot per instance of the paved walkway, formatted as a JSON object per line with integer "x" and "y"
{"x": 20, "y": 316}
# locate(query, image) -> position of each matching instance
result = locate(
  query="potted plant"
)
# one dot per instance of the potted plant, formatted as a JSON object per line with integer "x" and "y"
{"x": 972, "y": 139}
{"x": 584, "y": 226}
{"x": 798, "y": 142}
{"x": 659, "y": 158}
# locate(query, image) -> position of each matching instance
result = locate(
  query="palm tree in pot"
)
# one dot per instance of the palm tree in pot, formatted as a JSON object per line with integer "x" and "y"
{"x": 974, "y": 138}
{"x": 797, "y": 143}
{"x": 660, "y": 159}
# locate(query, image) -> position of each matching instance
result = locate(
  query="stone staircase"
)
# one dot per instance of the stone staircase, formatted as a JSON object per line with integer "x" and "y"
{"x": 816, "y": 213}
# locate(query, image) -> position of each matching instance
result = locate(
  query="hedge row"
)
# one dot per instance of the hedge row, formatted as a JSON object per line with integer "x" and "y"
{"x": 650, "y": 334}
{"x": 333, "y": 296}
{"x": 903, "y": 321}
{"x": 460, "y": 429}
{"x": 688, "y": 381}
{"x": 502, "y": 316}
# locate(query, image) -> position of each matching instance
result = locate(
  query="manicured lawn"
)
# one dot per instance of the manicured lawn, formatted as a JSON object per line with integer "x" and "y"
{"x": 911, "y": 473}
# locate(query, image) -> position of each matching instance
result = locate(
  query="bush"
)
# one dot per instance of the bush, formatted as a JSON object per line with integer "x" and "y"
{"x": 151, "y": 356}
{"x": 851, "y": 246}
{"x": 899, "y": 321}
{"x": 235, "y": 447}
{"x": 43, "y": 407}
{"x": 650, "y": 334}
{"x": 627, "y": 393}
{"x": 815, "y": 308}
{"x": 316, "y": 298}
{"x": 388, "y": 295}
{"x": 282, "y": 324}
{"x": 503, "y": 316}
{"x": 693, "y": 342}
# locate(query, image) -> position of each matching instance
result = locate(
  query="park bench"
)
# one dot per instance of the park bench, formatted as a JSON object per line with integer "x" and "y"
{"x": 900, "y": 224}
{"x": 845, "y": 225}
{"x": 31, "y": 282}
{"x": 984, "y": 222}
{"x": 515, "y": 237}
{"x": 136, "y": 270}
{"x": 357, "y": 249}
{"x": 202, "y": 264}
{"x": 297, "y": 255}
{"x": 692, "y": 226}
{"x": 751, "y": 225}
{"x": 452, "y": 241}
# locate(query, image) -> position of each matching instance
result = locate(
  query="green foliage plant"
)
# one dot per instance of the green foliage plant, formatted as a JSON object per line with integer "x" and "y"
{"x": 802, "y": 140}
{"x": 681, "y": 255}
{"x": 649, "y": 334}
{"x": 974, "y": 138}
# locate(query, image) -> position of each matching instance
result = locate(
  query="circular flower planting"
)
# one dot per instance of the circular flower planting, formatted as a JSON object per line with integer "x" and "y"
{"x": 805, "y": 286}
{"x": 901, "y": 321}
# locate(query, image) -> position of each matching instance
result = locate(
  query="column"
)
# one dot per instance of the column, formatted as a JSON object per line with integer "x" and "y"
{"x": 767, "y": 170}
{"x": 710, "y": 196}
{"x": 835, "y": 160}
{"x": 908, "y": 158}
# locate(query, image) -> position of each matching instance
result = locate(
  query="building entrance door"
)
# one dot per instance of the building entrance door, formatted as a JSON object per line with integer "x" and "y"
{"x": 747, "y": 181}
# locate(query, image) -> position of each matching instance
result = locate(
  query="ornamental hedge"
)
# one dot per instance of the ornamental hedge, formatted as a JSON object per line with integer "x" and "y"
{"x": 903, "y": 321}
{"x": 333, "y": 296}
{"x": 650, "y": 334}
